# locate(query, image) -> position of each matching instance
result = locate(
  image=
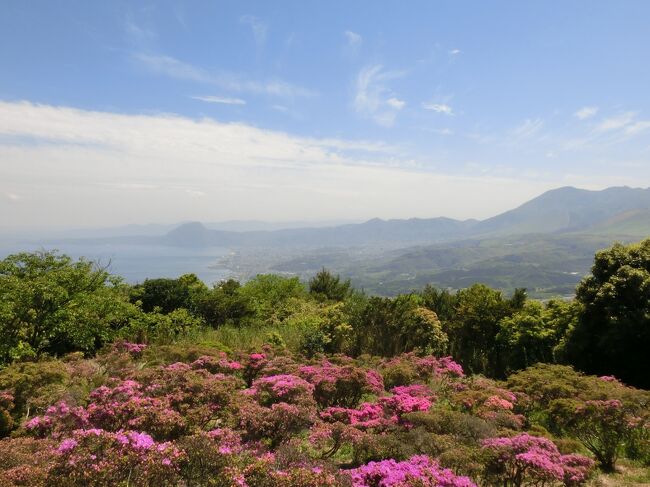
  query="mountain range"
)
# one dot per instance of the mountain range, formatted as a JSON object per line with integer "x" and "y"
{"x": 546, "y": 245}
{"x": 564, "y": 210}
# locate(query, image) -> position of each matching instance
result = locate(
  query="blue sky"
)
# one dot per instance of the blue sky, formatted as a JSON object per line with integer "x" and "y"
{"x": 165, "y": 111}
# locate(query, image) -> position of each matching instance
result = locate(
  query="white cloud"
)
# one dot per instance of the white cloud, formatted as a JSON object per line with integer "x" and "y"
{"x": 373, "y": 98}
{"x": 617, "y": 122}
{"x": 12, "y": 197}
{"x": 438, "y": 108}
{"x": 220, "y": 99}
{"x": 396, "y": 103}
{"x": 174, "y": 68}
{"x": 586, "y": 112}
{"x": 137, "y": 32}
{"x": 637, "y": 127}
{"x": 354, "y": 40}
{"x": 101, "y": 168}
{"x": 258, "y": 26}
{"x": 455, "y": 52}
{"x": 527, "y": 129}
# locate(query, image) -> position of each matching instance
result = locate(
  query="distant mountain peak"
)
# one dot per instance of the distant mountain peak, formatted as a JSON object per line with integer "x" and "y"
{"x": 193, "y": 234}
{"x": 566, "y": 209}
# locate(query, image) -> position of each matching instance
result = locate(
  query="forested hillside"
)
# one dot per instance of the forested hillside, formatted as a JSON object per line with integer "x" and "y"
{"x": 277, "y": 382}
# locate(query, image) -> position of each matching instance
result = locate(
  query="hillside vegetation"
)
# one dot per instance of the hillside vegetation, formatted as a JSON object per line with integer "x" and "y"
{"x": 279, "y": 383}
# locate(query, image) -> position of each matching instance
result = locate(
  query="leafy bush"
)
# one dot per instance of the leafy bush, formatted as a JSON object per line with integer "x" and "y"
{"x": 530, "y": 460}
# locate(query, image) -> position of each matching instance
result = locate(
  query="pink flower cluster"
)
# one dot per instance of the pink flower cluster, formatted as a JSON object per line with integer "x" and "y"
{"x": 419, "y": 471}
{"x": 281, "y": 388}
{"x": 496, "y": 402}
{"x": 536, "y": 459}
{"x": 92, "y": 455}
{"x": 57, "y": 419}
{"x": 439, "y": 367}
{"x": 386, "y": 412}
{"x": 134, "y": 349}
{"x": 340, "y": 385}
{"x": 217, "y": 365}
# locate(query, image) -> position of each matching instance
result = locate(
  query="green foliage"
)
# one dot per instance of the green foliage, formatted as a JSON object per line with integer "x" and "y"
{"x": 273, "y": 298}
{"x": 601, "y": 413}
{"x": 332, "y": 333}
{"x": 52, "y": 304}
{"x": 326, "y": 287}
{"x": 224, "y": 304}
{"x": 531, "y": 334}
{"x": 474, "y": 328}
{"x": 388, "y": 327}
{"x": 167, "y": 295}
{"x": 612, "y": 335}
{"x": 161, "y": 328}
{"x": 441, "y": 301}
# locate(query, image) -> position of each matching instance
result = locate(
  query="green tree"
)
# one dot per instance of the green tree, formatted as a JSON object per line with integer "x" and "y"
{"x": 224, "y": 303}
{"x": 474, "y": 328}
{"x": 531, "y": 334}
{"x": 169, "y": 294}
{"x": 612, "y": 335}
{"x": 326, "y": 287}
{"x": 389, "y": 327}
{"x": 50, "y": 303}
{"x": 274, "y": 298}
{"x": 440, "y": 301}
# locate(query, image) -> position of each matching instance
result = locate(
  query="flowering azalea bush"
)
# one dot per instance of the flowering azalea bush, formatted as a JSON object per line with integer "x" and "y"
{"x": 281, "y": 388}
{"x": 485, "y": 399}
{"x": 602, "y": 413}
{"x": 217, "y": 365}
{"x": 530, "y": 460}
{"x": 418, "y": 471}
{"x": 98, "y": 457}
{"x": 202, "y": 417}
{"x": 409, "y": 368}
{"x": 26, "y": 461}
{"x": 128, "y": 406}
{"x": 135, "y": 349}
{"x": 340, "y": 385}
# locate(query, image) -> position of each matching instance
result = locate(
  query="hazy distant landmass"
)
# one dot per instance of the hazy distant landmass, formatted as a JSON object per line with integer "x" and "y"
{"x": 545, "y": 245}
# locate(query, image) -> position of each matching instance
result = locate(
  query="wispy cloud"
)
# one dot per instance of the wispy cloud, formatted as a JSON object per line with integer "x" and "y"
{"x": 586, "y": 112}
{"x": 353, "y": 42}
{"x": 138, "y": 32}
{"x": 258, "y": 27}
{"x": 373, "y": 98}
{"x": 443, "y": 131}
{"x": 396, "y": 103}
{"x": 134, "y": 168}
{"x": 617, "y": 122}
{"x": 174, "y": 68}
{"x": 455, "y": 52}
{"x": 220, "y": 99}
{"x": 438, "y": 108}
{"x": 622, "y": 126}
{"x": 11, "y": 197}
{"x": 527, "y": 129}
{"x": 637, "y": 127}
